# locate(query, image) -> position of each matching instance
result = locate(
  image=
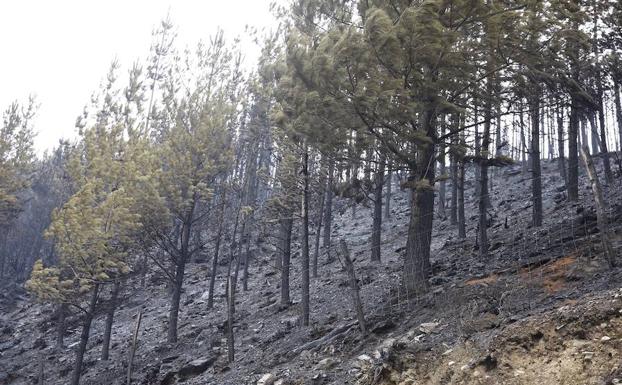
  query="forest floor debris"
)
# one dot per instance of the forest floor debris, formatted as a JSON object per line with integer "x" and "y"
{"x": 543, "y": 309}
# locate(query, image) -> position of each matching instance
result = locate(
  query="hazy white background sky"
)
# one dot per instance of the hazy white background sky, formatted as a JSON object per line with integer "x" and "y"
{"x": 60, "y": 50}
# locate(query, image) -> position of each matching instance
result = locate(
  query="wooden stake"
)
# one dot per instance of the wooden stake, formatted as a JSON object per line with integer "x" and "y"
{"x": 354, "y": 287}
{"x": 133, "y": 348}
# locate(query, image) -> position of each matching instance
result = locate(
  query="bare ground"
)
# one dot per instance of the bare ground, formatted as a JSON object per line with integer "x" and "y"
{"x": 543, "y": 308}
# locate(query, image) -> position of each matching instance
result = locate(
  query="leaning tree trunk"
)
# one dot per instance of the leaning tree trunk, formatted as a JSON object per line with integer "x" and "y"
{"x": 84, "y": 336}
{"x": 601, "y": 212}
{"x": 112, "y": 306}
{"x": 376, "y": 231}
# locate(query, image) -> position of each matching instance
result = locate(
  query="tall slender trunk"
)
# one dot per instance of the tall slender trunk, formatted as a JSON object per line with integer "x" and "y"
{"x": 573, "y": 160}
{"x": 478, "y": 144}
{"x": 460, "y": 204}
{"x": 221, "y": 218}
{"x": 442, "y": 170}
{"x": 483, "y": 179}
{"x": 594, "y": 133}
{"x": 3, "y": 236}
{"x": 584, "y": 140}
{"x": 599, "y": 96}
{"x": 305, "y": 239}
{"x": 286, "y": 252}
{"x": 84, "y": 336}
{"x": 560, "y": 144}
{"x": 328, "y": 213}
{"x": 387, "y": 195}
{"x": 551, "y": 135}
{"x": 616, "y": 98}
{"x": 318, "y": 221}
{"x": 112, "y": 306}
{"x": 536, "y": 173}
{"x": 603, "y": 144}
{"x": 523, "y": 140}
{"x": 376, "y": 231}
{"x": 453, "y": 210}
{"x": 230, "y": 318}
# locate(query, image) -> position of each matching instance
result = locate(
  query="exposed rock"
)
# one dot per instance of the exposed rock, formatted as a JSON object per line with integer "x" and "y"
{"x": 430, "y": 327}
{"x": 196, "y": 367}
{"x": 326, "y": 364}
{"x": 267, "y": 379}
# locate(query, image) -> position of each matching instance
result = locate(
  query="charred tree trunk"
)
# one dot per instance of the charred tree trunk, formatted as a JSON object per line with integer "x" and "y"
{"x": 616, "y": 98}
{"x": 112, "y": 306}
{"x": 230, "y": 318}
{"x": 442, "y": 190}
{"x": 180, "y": 268}
{"x": 453, "y": 210}
{"x": 417, "y": 259}
{"x": 594, "y": 133}
{"x": 601, "y": 212}
{"x": 134, "y": 344}
{"x": 376, "y": 232}
{"x": 461, "y": 216}
{"x": 318, "y": 222}
{"x": 483, "y": 179}
{"x": 84, "y": 336}
{"x": 286, "y": 252}
{"x": 212, "y": 281}
{"x": 305, "y": 239}
{"x": 599, "y": 96}
{"x": 387, "y": 195}
{"x": 573, "y": 160}
{"x": 523, "y": 141}
{"x": 560, "y": 144}
{"x": 328, "y": 213}
{"x": 61, "y": 327}
{"x": 354, "y": 287}
{"x": 536, "y": 171}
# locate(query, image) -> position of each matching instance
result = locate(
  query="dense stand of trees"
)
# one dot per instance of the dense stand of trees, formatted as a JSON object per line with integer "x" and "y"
{"x": 194, "y": 158}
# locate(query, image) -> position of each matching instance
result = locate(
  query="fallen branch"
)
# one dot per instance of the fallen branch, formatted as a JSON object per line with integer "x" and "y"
{"x": 312, "y": 345}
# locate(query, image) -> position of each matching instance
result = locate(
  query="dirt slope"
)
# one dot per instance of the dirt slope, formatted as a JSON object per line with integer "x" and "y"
{"x": 537, "y": 311}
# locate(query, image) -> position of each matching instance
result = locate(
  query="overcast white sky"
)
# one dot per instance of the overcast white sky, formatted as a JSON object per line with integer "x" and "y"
{"x": 61, "y": 49}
